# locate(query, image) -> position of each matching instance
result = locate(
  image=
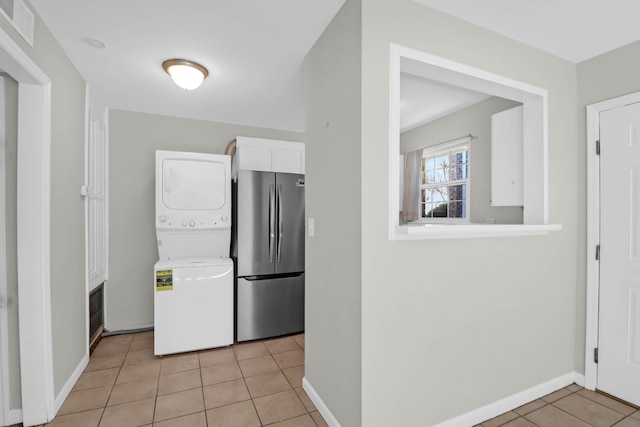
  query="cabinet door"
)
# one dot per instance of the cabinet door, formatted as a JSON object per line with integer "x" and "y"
{"x": 251, "y": 157}
{"x": 507, "y": 163}
{"x": 283, "y": 160}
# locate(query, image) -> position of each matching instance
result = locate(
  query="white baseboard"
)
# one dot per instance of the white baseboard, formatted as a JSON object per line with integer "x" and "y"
{"x": 322, "y": 408}
{"x": 15, "y": 416}
{"x": 508, "y": 403}
{"x": 579, "y": 379}
{"x": 64, "y": 393}
{"x": 478, "y": 415}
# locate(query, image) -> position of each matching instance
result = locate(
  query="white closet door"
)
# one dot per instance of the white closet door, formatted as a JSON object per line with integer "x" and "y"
{"x": 96, "y": 195}
{"x": 619, "y": 328}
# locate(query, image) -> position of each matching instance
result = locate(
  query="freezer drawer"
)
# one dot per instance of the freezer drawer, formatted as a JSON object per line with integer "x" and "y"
{"x": 269, "y": 307}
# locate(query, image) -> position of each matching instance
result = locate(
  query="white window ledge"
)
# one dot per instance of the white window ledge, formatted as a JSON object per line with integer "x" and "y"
{"x": 457, "y": 231}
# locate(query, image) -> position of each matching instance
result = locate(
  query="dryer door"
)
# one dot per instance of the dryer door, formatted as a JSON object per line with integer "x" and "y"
{"x": 192, "y": 184}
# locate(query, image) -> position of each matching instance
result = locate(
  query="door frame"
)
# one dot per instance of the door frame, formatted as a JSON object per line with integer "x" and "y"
{"x": 95, "y": 111}
{"x": 4, "y": 318}
{"x": 593, "y": 230}
{"x": 34, "y": 230}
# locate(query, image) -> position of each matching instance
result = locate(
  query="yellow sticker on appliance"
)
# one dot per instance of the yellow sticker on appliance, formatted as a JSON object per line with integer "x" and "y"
{"x": 164, "y": 280}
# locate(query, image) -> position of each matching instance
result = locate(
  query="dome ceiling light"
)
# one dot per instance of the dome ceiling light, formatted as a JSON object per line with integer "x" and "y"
{"x": 186, "y": 74}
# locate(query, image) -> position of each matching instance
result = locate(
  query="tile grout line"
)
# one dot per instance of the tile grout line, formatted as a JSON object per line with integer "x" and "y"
{"x": 621, "y": 420}
{"x": 590, "y": 400}
{"x": 204, "y": 403}
{"x": 552, "y": 404}
{"x": 155, "y": 401}
{"x": 606, "y": 406}
{"x": 125, "y": 354}
{"x": 104, "y": 408}
{"x": 523, "y": 415}
{"x": 568, "y": 413}
{"x": 244, "y": 379}
{"x": 576, "y": 392}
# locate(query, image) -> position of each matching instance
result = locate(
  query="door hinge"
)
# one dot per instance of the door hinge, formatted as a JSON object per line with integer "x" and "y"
{"x": 597, "y": 252}
{"x": 598, "y": 147}
{"x": 595, "y": 355}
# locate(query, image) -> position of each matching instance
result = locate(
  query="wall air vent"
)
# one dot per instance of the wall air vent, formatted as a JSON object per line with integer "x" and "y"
{"x": 20, "y": 16}
{"x": 96, "y": 315}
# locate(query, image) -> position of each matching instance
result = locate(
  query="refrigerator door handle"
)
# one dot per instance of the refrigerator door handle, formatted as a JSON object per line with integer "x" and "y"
{"x": 272, "y": 221}
{"x": 279, "y": 196}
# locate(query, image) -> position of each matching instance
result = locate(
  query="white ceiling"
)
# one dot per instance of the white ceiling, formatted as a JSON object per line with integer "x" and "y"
{"x": 423, "y": 100}
{"x": 254, "y": 49}
{"x": 575, "y": 30}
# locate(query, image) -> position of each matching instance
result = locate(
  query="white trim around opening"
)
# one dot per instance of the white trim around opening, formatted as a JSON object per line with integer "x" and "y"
{"x": 34, "y": 167}
{"x": 535, "y": 141}
{"x": 4, "y": 298}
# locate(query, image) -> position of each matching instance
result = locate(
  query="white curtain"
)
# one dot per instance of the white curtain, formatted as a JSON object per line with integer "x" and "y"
{"x": 411, "y": 195}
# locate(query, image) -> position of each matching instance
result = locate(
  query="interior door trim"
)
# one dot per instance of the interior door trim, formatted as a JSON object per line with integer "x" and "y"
{"x": 34, "y": 230}
{"x": 4, "y": 330}
{"x": 593, "y": 230}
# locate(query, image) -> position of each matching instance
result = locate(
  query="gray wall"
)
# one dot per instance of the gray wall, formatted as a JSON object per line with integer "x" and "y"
{"x": 607, "y": 76}
{"x": 133, "y": 140}
{"x": 465, "y": 322}
{"x": 475, "y": 120}
{"x": 68, "y": 287}
{"x": 333, "y": 186}
{"x": 11, "y": 224}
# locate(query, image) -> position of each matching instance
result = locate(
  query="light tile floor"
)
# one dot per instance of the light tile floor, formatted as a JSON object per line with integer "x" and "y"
{"x": 245, "y": 385}
{"x": 257, "y": 384}
{"x": 571, "y": 406}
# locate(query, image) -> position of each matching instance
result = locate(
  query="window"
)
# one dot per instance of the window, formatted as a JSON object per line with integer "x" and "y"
{"x": 444, "y": 183}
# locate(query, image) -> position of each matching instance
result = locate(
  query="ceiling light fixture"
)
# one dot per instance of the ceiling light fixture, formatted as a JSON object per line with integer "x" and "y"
{"x": 186, "y": 74}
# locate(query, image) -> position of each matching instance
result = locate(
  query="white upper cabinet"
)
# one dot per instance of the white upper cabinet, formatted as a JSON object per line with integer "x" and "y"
{"x": 268, "y": 155}
{"x": 288, "y": 160}
{"x": 507, "y": 162}
{"x": 252, "y": 157}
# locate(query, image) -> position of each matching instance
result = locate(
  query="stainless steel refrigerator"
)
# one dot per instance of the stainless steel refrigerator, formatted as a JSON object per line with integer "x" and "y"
{"x": 268, "y": 250}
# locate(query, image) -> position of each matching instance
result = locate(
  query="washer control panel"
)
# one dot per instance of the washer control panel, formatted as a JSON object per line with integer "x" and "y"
{"x": 192, "y": 222}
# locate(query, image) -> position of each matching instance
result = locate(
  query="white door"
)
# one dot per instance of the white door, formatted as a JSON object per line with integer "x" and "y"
{"x": 96, "y": 195}
{"x": 619, "y": 321}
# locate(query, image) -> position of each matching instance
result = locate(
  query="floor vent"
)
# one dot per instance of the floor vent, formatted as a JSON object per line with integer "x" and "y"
{"x": 96, "y": 316}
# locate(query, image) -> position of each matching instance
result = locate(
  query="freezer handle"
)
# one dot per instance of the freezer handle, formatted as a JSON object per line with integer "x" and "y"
{"x": 279, "y": 220}
{"x": 271, "y": 276}
{"x": 272, "y": 221}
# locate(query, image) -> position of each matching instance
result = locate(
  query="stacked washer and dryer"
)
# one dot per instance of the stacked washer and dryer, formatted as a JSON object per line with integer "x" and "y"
{"x": 193, "y": 286}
